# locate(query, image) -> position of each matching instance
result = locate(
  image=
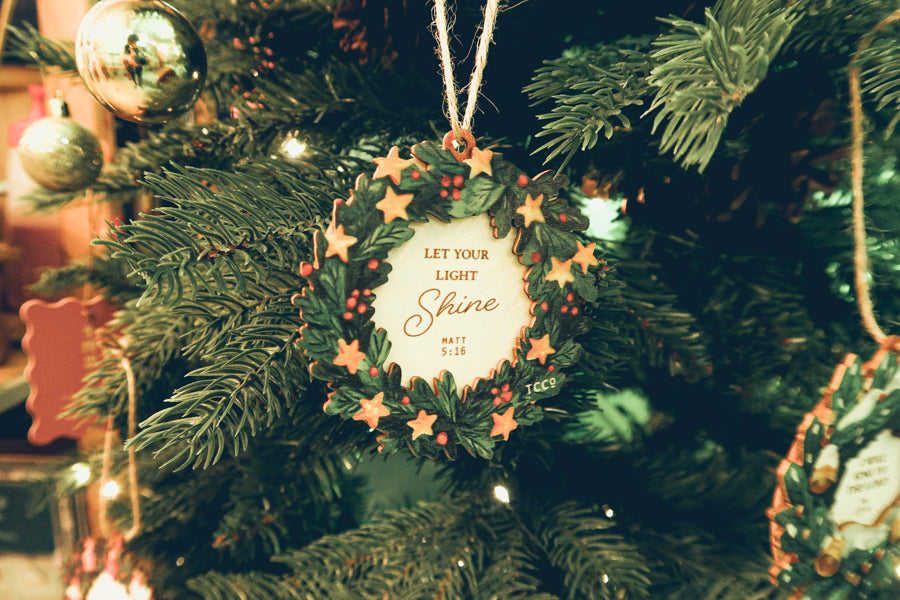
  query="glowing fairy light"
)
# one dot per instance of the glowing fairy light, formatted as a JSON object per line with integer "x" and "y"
{"x": 501, "y": 494}
{"x": 110, "y": 490}
{"x": 81, "y": 472}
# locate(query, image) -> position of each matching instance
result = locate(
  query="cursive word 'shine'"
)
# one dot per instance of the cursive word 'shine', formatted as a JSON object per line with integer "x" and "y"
{"x": 435, "y": 303}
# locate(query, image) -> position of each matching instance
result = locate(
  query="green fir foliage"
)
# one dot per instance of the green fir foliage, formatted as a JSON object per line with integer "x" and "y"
{"x": 718, "y": 65}
{"x": 710, "y": 328}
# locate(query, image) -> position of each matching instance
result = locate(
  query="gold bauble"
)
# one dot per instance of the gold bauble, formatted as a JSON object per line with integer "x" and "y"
{"x": 141, "y": 59}
{"x": 58, "y": 153}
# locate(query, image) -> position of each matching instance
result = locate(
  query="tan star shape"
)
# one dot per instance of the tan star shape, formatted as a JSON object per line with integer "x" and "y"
{"x": 504, "y": 423}
{"x": 480, "y": 162}
{"x": 531, "y": 210}
{"x": 391, "y": 165}
{"x": 561, "y": 272}
{"x": 338, "y": 243}
{"x": 372, "y": 410}
{"x": 349, "y": 355}
{"x": 421, "y": 425}
{"x": 540, "y": 349}
{"x": 393, "y": 205}
{"x": 585, "y": 256}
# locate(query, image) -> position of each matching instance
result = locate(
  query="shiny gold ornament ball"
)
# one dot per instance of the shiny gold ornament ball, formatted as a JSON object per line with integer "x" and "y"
{"x": 58, "y": 153}
{"x": 141, "y": 59}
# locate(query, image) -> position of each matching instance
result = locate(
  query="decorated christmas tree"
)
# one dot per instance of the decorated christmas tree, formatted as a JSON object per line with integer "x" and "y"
{"x": 367, "y": 351}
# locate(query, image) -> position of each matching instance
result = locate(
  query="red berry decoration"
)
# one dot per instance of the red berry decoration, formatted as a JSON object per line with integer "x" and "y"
{"x": 523, "y": 180}
{"x": 416, "y": 175}
{"x": 569, "y": 297}
{"x": 563, "y": 218}
{"x": 348, "y": 316}
{"x": 373, "y": 371}
{"x": 351, "y": 302}
{"x": 441, "y": 438}
{"x": 444, "y": 193}
{"x": 446, "y": 181}
{"x": 458, "y": 181}
{"x": 405, "y": 401}
{"x": 367, "y": 292}
{"x": 456, "y": 194}
{"x": 361, "y": 309}
{"x": 355, "y": 293}
{"x": 373, "y": 264}
{"x": 535, "y": 257}
{"x": 306, "y": 269}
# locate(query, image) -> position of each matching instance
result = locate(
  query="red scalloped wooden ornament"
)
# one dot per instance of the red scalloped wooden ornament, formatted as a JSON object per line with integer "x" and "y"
{"x": 59, "y": 342}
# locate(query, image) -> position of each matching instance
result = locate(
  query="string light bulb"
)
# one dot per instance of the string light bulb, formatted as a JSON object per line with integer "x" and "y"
{"x": 81, "y": 472}
{"x": 110, "y": 490}
{"x": 290, "y": 147}
{"x": 501, "y": 493}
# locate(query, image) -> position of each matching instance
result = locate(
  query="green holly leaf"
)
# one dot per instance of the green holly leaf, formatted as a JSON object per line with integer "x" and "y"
{"x": 567, "y": 354}
{"x": 796, "y": 484}
{"x": 439, "y": 159}
{"x": 476, "y": 444}
{"x": 478, "y": 195}
{"x": 502, "y": 213}
{"x": 421, "y": 395}
{"x": 379, "y": 347}
{"x": 382, "y": 239}
{"x": 447, "y": 396}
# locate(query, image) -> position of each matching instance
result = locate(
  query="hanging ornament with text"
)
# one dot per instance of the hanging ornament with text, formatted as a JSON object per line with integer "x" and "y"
{"x": 444, "y": 298}
{"x": 140, "y": 59}
{"x": 445, "y": 295}
{"x": 835, "y": 518}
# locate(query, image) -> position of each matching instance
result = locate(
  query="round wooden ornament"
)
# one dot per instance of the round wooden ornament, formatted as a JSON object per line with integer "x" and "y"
{"x": 835, "y": 516}
{"x": 444, "y": 297}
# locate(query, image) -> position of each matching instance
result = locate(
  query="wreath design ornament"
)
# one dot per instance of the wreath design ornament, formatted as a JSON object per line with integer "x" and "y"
{"x": 835, "y": 516}
{"x": 346, "y": 349}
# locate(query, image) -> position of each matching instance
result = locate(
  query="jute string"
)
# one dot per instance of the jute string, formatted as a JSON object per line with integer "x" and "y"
{"x": 860, "y": 256}
{"x": 443, "y": 24}
{"x": 132, "y": 459}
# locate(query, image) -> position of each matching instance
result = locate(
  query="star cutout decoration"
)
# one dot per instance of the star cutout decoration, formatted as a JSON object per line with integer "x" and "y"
{"x": 393, "y": 205}
{"x": 585, "y": 256}
{"x": 338, "y": 242}
{"x": 372, "y": 410}
{"x": 561, "y": 272}
{"x": 540, "y": 349}
{"x": 480, "y": 162}
{"x": 391, "y": 165}
{"x": 531, "y": 210}
{"x": 504, "y": 423}
{"x": 349, "y": 355}
{"x": 421, "y": 425}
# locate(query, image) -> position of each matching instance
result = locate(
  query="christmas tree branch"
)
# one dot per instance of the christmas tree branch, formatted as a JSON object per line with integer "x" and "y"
{"x": 703, "y": 72}
{"x": 591, "y": 92}
{"x": 597, "y": 564}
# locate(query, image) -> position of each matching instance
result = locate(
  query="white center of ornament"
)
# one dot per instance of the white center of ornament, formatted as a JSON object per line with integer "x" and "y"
{"x": 868, "y": 494}
{"x": 454, "y": 301}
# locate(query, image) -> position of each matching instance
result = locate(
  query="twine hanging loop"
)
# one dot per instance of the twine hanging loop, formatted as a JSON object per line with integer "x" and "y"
{"x": 860, "y": 255}
{"x": 443, "y": 23}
